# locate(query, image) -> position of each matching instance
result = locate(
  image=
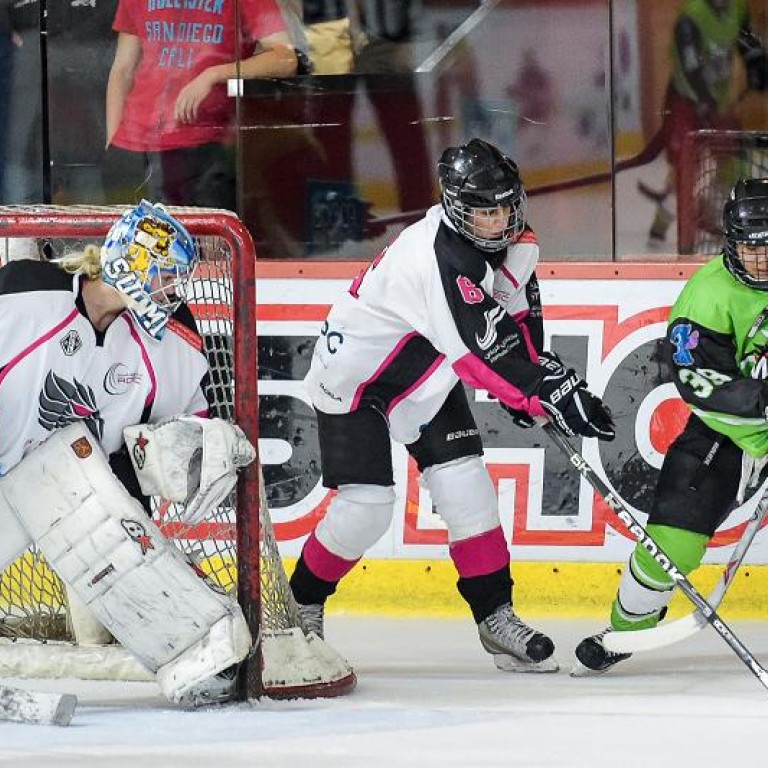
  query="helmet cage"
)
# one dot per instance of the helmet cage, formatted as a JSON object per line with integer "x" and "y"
{"x": 745, "y": 224}
{"x": 476, "y": 180}
{"x": 150, "y": 259}
{"x": 464, "y": 217}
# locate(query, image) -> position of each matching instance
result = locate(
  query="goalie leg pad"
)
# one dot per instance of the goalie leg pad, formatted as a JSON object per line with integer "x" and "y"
{"x": 463, "y": 495}
{"x": 141, "y": 587}
{"x": 15, "y": 538}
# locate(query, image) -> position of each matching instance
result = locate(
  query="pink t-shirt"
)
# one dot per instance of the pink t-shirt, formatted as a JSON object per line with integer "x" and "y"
{"x": 180, "y": 39}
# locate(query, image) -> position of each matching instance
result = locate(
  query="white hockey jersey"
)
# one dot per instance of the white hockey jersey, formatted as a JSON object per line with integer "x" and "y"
{"x": 428, "y": 311}
{"x": 55, "y": 368}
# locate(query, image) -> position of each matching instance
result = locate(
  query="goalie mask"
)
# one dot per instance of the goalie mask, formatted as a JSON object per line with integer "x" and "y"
{"x": 482, "y": 194}
{"x": 745, "y": 224}
{"x": 150, "y": 259}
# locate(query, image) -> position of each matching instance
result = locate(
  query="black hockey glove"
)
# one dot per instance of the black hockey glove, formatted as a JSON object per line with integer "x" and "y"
{"x": 553, "y": 364}
{"x": 573, "y": 409}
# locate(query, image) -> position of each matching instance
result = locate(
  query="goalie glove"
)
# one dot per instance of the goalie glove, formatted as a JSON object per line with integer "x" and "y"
{"x": 188, "y": 460}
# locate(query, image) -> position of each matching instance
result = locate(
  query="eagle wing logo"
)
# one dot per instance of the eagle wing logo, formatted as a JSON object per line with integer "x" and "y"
{"x": 63, "y": 403}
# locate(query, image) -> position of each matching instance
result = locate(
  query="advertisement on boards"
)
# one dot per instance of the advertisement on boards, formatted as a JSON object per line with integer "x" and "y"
{"x": 609, "y": 330}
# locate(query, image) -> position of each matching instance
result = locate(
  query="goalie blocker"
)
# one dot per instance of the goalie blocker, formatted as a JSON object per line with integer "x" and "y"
{"x": 100, "y": 541}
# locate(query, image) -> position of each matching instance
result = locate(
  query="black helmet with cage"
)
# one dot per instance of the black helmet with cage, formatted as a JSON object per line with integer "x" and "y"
{"x": 478, "y": 177}
{"x": 745, "y": 223}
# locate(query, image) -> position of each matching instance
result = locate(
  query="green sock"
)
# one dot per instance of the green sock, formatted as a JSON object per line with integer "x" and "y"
{"x": 685, "y": 548}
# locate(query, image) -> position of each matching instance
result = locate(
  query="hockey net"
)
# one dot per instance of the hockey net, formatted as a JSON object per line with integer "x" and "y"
{"x": 711, "y": 163}
{"x": 235, "y": 546}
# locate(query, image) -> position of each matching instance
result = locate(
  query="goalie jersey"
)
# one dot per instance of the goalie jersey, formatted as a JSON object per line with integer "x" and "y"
{"x": 55, "y": 368}
{"x": 428, "y": 311}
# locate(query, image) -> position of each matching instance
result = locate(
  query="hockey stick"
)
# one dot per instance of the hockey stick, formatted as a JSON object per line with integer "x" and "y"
{"x": 646, "y": 540}
{"x": 671, "y": 632}
{"x": 20, "y": 706}
{"x": 657, "y": 195}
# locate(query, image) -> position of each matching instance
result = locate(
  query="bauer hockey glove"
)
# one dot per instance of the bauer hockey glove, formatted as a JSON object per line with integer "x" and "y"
{"x": 554, "y": 365}
{"x": 573, "y": 409}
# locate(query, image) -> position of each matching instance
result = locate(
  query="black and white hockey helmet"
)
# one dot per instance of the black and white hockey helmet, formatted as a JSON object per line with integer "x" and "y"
{"x": 745, "y": 223}
{"x": 474, "y": 178}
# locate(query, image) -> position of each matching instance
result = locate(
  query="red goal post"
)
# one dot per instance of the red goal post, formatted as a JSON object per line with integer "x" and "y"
{"x": 236, "y": 545}
{"x": 711, "y": 162}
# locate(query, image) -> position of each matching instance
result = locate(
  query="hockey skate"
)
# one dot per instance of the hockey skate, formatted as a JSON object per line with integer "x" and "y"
{"x": 593, "y": 658}
{"x": 312, "y": 618}
{"x": 514, "y": 645}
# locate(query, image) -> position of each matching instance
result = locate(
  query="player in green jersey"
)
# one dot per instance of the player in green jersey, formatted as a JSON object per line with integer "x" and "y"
{"x": 717, "y": 351}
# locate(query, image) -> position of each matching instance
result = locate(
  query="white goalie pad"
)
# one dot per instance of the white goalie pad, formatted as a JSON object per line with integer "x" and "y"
{"x": 189, "y": 460}
{"x": 15, "y": 539}
{"x": 101, "y": 543}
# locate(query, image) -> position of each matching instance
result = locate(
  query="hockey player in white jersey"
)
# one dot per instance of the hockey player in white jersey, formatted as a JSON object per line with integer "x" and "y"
{"x": 453, "y": 300}
{"x": 101, "y": 364}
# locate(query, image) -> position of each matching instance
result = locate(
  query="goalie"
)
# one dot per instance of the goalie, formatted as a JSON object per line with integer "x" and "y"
{"x": 101, "y": 377}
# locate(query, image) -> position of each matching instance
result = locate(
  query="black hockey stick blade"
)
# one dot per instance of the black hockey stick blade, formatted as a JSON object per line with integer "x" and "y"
{"x": 34, "y": 707}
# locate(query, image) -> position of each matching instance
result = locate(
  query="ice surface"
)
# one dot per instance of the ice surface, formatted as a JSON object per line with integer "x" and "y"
{"x": 429, "y": 696}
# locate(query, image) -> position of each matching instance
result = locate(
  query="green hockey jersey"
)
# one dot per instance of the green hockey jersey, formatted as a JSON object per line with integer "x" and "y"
{"x": 718, "y": 354}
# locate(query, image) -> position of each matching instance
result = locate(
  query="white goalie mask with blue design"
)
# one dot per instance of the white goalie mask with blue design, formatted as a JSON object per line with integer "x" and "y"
{"x": 150, "y": 259}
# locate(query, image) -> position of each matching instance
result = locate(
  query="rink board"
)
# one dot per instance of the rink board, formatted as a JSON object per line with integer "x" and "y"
{"x": 606, "y": 320}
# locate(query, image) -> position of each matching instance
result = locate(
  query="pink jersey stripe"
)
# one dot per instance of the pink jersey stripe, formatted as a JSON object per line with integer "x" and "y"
{"x": 383, "y": 367}
{"x": 519, "y": 318}
{"x": 477, "y": 374}
{"x": 505, "y": 271}
{"x": 147, "y": 362}
{"x": 480, "y": 555}
{"x": 323, "y": 563}
{"x": 37, "y": 343}
{"x": 416, "y": 384}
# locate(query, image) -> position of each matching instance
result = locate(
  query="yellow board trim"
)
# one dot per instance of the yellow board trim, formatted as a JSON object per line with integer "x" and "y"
{"x": 428, "y": 588}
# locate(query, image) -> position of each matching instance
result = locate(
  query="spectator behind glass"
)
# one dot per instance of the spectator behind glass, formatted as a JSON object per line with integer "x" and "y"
{"x": 390, "y": 31}
{"x": 169, "y": 119}
{"x": 707, "y": 36}
{"x": 23, "y": 173}
{"x": 8, "y": 42}
{"x": 373, "y": 39}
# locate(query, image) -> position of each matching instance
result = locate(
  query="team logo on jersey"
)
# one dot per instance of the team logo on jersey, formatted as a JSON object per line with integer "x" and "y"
{"x": 755, "y": 365}
{"x": 684, "y": 339}
{"x": 333, "y": 339}
{"x": 81, "y": 448}
{"x": 139, "y": 450}
{"x": 63, "y": 402}
{"x": 118, "y": 378}
{"x": 492, "y": 318}
{"x": 71, "y": 343}
{"x": 138, "y": 533}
